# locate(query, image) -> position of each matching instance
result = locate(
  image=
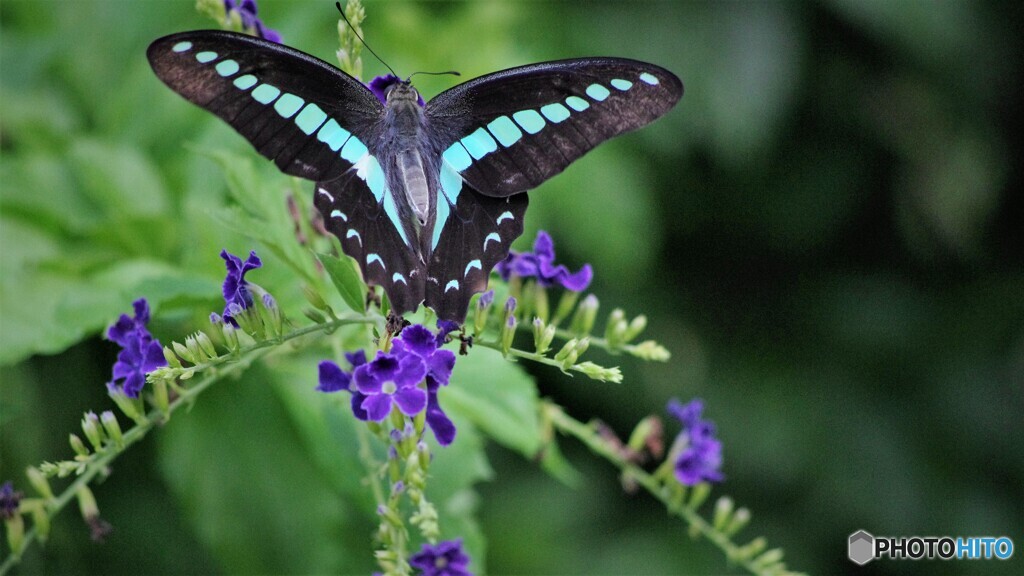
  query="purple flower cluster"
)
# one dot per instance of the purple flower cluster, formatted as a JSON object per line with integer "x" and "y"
{"x": 394, "y": 378}
{"x": 701, "y": 460}
{"x": 380, "y": 85}
{"x": 10, "y": 499}
{"x": 443, "y": 559}
{"x": 541, "y": 264}
{"x": 237, "y": 296}
{"x": 140, "y": 352}
{"x": 247, "y": 10}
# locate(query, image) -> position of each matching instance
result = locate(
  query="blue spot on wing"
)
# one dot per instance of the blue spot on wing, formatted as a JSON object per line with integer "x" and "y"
{"x": 457, "y": 156}
{"x": 245, "y": 82}
{"x": 555, "y": 112}
{"x": 333, "y": 135}
{"x": 207, "y": 56}
{"x": 479, "y": 143}
{"x": 597, "y": 92}
{"x": 354, "y": 150}
{"x": 530, "y": 120}
{"x": 505, "y": 131}
{"x": 288, "y": 104}
{"x": 310, "y": 119}
{"x": 227, "y": 68}
{"x": 649, "y": 79}
{"x": 265, "y": 93}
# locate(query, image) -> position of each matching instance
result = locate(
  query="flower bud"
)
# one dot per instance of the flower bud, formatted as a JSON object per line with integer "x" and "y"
{"x": 542, "y": 336}
{"x": 650, "y": 350}
{"x": 586, "y": 314}
{"x": 113, "y": 428}
{"x": 131, "y": 407}
{"x": 230, "y": 337}
{"x": 15, "y": 534}
{"x": 567, "y": 349}
{"x": 206, "y": 344}
{"x": 185, "y": 353}
{"x": 699, "y": 494}
{"x": 565, "y": 305}
{"x": 773, "y": 556}
{"x": 613, "y": 375}
{"x": 172, "y": 358}
{"x": 615, "y": 329}
{"x": 39, "y": 482}
{"x": 508, "y": 333}
{"x": 752, "y": 548}
{"x": 483, "y": 310}
{"x": 78, "y": 446}
{"x": 87, "y": 502}
{"x": 541, "y": 305}
{"x": 636, "y": 326}
{"x": 740, "y": 519}
{"x": 92, "y": 429}
{"x": 723, "y": 511}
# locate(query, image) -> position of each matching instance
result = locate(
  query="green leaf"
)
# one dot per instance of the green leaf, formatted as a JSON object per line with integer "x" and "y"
{"x": 346, "y": 279}
{"x": 252, "y": 490}
{"x": 498, "y": 397}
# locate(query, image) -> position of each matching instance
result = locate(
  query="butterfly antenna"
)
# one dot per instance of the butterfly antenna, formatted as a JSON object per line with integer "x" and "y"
{"x": 452, "y": 72}
{"x": 356, "y": 32}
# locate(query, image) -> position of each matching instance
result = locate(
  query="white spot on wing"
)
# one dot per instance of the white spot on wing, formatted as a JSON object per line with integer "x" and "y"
{"x": 326, "y": 193}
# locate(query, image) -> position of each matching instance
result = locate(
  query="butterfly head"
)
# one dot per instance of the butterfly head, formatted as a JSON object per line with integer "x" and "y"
{"x": 391, "y": 89}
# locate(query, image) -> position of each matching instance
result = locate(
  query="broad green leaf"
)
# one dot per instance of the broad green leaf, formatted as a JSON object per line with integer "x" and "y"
{"x": 252, "y": 491}
{"x": 346, "y": 279}
{"x": 498, "y": 397}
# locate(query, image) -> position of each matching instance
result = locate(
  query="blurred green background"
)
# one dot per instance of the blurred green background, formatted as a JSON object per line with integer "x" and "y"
{"x": 827, "y": 233}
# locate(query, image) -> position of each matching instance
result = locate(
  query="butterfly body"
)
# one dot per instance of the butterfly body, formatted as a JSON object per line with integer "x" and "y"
{"x": 426, "y": 198}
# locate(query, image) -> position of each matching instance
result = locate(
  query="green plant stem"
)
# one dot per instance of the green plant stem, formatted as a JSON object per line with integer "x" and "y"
{"x": 540, "y": 358}
{"x": 100, "y": 460}
{"x": 589, "y": 437}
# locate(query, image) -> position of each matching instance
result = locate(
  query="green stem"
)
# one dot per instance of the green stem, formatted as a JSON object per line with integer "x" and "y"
{"x": 586, "y": 434}
{"x": 540, "y": 358}
{"x": 101, "y": 460}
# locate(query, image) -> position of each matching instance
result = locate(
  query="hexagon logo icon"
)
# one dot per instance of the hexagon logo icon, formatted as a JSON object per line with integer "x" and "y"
{"x": 861, "y": 547}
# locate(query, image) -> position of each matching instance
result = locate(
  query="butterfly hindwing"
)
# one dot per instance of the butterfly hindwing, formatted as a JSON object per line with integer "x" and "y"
{"x": 353, "y": 212}
{"x": 311, "y": 119}
{"x": 476, "y": 232}
{"x": 510, "y": 131}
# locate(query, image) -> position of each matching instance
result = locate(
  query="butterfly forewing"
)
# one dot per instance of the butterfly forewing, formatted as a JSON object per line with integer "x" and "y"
{"x": 310, "y": 118}
{"x": 510, "y": 131}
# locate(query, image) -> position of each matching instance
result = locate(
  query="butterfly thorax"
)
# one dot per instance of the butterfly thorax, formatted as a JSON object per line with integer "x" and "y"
{"x": 405, "y": 122}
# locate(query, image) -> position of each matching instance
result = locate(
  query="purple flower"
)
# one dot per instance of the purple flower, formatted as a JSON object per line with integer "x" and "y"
{"x": 541, "y": 264}
{"x": 250, "y": 21}
{"x": 701, "y": 459}
{"x": 236, "y": 289}
{"x": 140, "y": 352}
{"x": 391, "y": 378}
{"x": 395, "y": 377}
{"x": 380, "y": 86}
{"x": 419, "y": 341}
{"x": 9, "y": 500}
{"x": 444, "y": 328}
{"x": 443, "y": 559}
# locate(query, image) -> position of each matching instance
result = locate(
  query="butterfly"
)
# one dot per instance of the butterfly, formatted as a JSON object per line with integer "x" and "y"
{"x": 426, "y": 198}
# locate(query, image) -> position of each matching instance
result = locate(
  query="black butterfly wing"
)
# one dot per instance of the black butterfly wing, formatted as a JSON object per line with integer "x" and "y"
{"x": 509, "y": 131}
{"x": 362, "y": 214}
{"x": 310, "y": 118}
{"x": 476, "y": 232}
